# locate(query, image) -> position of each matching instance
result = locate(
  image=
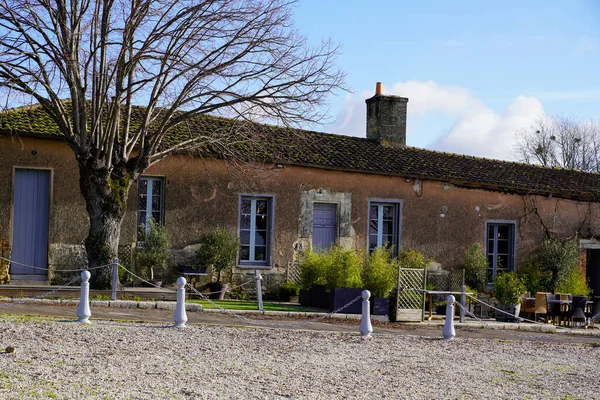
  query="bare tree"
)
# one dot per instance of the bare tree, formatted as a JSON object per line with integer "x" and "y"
{"x": 561, "y": 142}
{"x": 177, "y": 59}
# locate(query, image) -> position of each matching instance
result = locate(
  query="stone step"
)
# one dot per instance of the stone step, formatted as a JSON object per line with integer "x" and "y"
{"x": 29, "y": 280}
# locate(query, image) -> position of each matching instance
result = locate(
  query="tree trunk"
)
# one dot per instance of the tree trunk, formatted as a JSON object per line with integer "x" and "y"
{"x": 106, "y": 198}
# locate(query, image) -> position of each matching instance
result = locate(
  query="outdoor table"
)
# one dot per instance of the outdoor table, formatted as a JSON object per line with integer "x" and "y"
{"x": 567, "y": 304}
{"x": 430, "y": 293}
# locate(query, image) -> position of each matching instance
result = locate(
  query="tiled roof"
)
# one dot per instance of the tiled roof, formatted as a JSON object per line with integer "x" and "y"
{"x": 314, "y": 149}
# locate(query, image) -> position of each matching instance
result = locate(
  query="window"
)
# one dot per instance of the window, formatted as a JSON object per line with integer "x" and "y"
{"x": 255, "y": 230}
{"x": 324, "y": 233}
{"x": 150, "y": 201}
{"x": 384, "y": 226}
{"x": 500, "y": 248}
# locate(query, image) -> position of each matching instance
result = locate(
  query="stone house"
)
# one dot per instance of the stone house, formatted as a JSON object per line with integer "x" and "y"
{"x": 316, "y": 190}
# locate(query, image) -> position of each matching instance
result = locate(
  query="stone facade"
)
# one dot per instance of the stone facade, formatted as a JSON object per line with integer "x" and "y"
{"x": 439, "y": 219}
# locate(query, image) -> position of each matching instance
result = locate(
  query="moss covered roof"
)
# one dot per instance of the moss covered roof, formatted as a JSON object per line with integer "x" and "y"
{"x": 315, "y": 149}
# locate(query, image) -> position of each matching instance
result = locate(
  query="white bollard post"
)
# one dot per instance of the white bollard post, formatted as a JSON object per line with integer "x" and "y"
{"x": 365, "y": 322}
{"x": 448, "y": 331}
{"x": 83, "y": 310}
{"x": 463, "y": 303}
{"x": 115, "y": 279}
{"x": 180, "y": 316}
{"x": 258, "y": 277}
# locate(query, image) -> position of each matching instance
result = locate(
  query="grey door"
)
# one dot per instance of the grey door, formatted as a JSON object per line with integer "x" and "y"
{"x": 31, "y": 208}
{"x": 324, "y": 225}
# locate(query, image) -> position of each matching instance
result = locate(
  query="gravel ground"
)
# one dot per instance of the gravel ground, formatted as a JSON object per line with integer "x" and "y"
{"x": 106, "y": 360}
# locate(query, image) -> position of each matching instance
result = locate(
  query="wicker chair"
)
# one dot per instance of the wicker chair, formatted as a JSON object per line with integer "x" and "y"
{"x": 540, "y": 305}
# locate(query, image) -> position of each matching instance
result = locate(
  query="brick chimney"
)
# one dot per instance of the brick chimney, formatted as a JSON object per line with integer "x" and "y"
{"x": 386, "y": 118}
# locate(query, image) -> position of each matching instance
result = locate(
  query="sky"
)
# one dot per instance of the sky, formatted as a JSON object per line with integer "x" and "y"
{"x": 475, "y": 72}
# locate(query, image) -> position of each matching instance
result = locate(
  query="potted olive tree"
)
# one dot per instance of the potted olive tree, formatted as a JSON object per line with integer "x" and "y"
{"x": 509, "y": 290}
{"x": 152, "y": 252}
{"x": 218, "y": 250}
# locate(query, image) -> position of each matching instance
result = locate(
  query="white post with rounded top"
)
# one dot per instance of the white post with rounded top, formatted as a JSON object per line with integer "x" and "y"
{"x": 83, "y": 310}
{"x": 448, "y": 331}
{"x": 365, "y": 322}
{"x": 259, "y": 298}
{"x": 180, "y": 316}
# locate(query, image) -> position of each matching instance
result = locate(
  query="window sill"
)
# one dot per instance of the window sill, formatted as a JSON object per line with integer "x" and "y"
{"x": 254, "y": 266}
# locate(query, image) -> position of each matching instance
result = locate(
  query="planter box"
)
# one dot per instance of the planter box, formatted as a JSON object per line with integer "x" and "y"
{"x": 304, "y": 297}
{"x": 379, "y": 305}
{"x": 319, "y": 297}
{"x": 342, "y": 296}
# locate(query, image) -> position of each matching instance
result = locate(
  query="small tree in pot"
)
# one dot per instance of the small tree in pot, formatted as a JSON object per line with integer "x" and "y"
{"x": 219, "y": 250}
{"x": 153, "y": 251}
{"x": 509, "y": 290}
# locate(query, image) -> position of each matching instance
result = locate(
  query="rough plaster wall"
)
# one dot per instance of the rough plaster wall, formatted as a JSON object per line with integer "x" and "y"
{"x": 305, "y": 217}
{"x": 438, "y": 219}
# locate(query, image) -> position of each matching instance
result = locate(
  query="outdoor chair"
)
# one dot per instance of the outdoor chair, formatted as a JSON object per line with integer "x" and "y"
{"x": 553, "y": 309}
{"x": 528, "y": 307}
{"x": 540, "y": 305}
{"x": 594, "y": 315}
{"x": 577, "y": 310}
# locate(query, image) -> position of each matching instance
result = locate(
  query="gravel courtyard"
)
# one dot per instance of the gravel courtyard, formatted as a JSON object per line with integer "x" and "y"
{"x": 105, "y": 360}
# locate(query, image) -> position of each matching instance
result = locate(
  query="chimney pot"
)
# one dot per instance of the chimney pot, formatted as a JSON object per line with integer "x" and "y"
{"x": 378, "y": 88}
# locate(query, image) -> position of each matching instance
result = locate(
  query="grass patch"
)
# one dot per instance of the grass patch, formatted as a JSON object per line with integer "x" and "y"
{"x": 248, "y": 305}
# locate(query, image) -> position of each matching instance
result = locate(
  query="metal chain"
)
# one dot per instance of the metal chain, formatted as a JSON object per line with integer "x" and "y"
{"x": 508, "y": 332}
{"x": 42, "y": 295}
{"x": 260, "y": 322}
{"x": 145, "y": 281}
{"x": 156, "y": 286}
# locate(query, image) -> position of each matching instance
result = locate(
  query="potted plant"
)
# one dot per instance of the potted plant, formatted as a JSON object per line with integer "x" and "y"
{"x": 289, "y": 291}
{"x": 152, "y": 252}
{"x": 218, "y": 250}
{"x": 380, "y": 276}
{"x": 509, "y": 290}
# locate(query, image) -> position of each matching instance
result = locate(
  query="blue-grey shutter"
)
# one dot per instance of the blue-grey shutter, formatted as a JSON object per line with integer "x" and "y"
{"x": 30, "y": 222}
{"x": 324, "y": 225}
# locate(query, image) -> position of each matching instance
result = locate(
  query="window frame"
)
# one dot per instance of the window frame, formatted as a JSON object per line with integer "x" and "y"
{"x": 151, "y": 180}
{"x": 512, "y": 246}
{"x": 397, "y": 235}
{"x": 268, "y": 262}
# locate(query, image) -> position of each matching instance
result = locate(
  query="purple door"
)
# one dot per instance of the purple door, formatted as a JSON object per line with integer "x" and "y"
{"x": 31, "y": 209}
{"x": 324, "y": 226}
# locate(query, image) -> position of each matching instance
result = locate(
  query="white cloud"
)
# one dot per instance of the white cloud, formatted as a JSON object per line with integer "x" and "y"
{"x": 477, "y": 130}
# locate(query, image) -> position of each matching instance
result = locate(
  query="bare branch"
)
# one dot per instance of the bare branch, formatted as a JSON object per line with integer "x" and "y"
{"x": 561, "y": 142}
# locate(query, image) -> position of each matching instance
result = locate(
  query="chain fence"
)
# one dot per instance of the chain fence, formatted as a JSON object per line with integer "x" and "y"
{"x": 56, "y": 270}
{"x": 492, "y": 326}
{"x": 271, "y": 322}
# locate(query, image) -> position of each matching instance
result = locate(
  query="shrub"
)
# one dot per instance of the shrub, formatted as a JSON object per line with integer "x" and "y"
{"x": 153, "y": 250}
{"x": 476, "y": 265}
{"x": 288, "y": 290}
{"x": 555, "y": 259}
{"x": 345, "y": 268}
{"x": 334, "y": 268}
{"x": 218, "y": 249}
{"x": 573, "y": 282}
{"x": 531, "y": 275}
{"x": 380, "y": 274}
{"x": 508, "y": 288}
{"x": 312, "y": 269}
{"x": 413, "y": 259}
